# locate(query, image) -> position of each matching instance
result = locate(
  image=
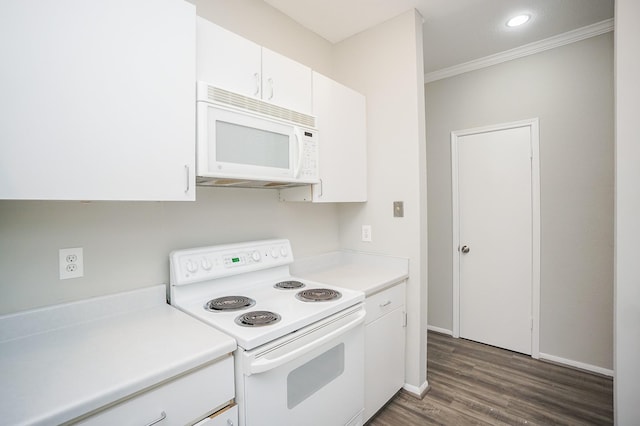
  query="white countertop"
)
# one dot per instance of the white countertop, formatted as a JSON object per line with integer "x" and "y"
{"x": 370, "y": 273}
{"x": 60, "y": 362}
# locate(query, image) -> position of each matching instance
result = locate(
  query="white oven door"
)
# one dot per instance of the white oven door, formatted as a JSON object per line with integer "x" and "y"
{"x": 314, "y": 377}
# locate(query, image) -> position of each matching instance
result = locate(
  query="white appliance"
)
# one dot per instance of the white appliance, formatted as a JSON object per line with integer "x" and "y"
{"x": 303, "y": 363}
{"x": 247, "y": 142}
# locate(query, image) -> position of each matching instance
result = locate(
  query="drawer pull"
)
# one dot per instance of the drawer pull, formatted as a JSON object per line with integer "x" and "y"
{"x": 387, "y": 303}
{"x": 163, "y": 416}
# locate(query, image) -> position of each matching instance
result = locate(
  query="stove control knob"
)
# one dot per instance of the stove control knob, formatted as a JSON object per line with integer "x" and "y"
{"x": 274, "y": 253}
{"x": 206, "y": 265}
{"x": 283, "y": 251}
{"x": 255, "y": 256}
{"x": 191, "y": 266}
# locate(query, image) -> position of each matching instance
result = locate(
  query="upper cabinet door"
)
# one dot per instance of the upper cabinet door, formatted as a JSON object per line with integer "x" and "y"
{"x": 97, "y": 100}
{"x": 227, "y": 60}
{"x": 285, "y": 82}
{"x": 341, "y": 121}
{"x": 234, "y": 63}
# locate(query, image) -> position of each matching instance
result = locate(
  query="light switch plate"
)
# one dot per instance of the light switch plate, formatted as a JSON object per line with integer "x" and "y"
{"x": 398, "y": 209}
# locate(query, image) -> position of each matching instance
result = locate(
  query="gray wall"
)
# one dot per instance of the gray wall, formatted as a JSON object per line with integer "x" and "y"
{"x": 127, "y": 244}
{"x": 570, "y": 89}
{"x": 627, "y": 305}
{"x": 392, "y": 78}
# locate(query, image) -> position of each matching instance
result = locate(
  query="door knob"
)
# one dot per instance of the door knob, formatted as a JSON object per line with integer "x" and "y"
{"x": 465, "y": 249}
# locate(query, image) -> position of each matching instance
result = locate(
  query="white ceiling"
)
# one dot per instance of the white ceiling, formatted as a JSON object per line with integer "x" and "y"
{"x": 455, "y": 31}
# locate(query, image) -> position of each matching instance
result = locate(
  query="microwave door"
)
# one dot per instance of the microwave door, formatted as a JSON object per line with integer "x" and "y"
{"x": 246, "y": 146}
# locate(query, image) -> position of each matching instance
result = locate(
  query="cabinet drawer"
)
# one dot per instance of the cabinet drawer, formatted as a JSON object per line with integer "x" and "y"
{"x": 225, "y": 417}
{"x": 386, "y": 301}
{"x": 184, "y": 400}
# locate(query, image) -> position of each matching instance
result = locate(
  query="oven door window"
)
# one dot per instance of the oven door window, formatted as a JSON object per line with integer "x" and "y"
{"x": 309, "y": 378}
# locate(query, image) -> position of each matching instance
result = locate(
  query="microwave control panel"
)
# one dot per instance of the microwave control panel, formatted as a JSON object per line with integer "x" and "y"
{"x": 309, "y": 169}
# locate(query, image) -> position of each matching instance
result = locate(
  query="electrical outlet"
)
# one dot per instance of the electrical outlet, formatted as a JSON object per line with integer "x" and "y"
{"x": 366, "y": 233}
{"x": 71, "y": 263}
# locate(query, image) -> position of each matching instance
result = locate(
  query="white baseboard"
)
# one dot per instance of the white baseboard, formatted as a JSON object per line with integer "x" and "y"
{"x": 440, "y": 330}
{"x": 577, "y": 364}
{"x": 417, "y": 391}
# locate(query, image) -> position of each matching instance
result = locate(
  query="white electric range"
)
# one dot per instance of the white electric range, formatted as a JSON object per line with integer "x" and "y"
{"x": 300, "y": 342}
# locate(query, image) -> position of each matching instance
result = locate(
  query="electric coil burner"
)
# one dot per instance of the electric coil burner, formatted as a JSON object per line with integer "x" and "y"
{"x": 257, "y": 319}
{"x": 289, "y": 285}
{"x": 229, "y": 303}
{"x": 318, "y": 295}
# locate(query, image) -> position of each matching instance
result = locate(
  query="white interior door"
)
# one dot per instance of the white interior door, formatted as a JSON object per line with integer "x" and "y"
{"x": 495, "y": 236}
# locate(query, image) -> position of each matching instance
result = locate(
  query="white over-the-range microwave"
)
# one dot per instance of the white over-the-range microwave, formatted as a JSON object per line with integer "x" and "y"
{"x": 246, "y": 142}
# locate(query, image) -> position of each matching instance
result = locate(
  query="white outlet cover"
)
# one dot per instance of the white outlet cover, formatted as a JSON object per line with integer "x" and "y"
{"x": 71, "y": 263}
{"x": 366, "y": 233}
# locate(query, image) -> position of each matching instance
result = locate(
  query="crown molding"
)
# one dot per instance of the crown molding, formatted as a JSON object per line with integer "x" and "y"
{"x": 522, "y": 51}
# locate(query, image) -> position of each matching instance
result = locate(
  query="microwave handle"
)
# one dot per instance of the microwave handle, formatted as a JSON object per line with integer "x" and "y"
{"x": 298, "y": 136}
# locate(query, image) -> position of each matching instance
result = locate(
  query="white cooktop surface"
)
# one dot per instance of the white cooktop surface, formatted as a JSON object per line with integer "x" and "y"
{"x": 294, "y": 313}
{"x": 249, "y": 269}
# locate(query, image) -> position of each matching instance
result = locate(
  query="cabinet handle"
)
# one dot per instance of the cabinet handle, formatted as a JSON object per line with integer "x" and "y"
{"x": 229, "y": 422}
{"x": 186, "y": 168}
{"x": 321, "y": 189}
{"x": 163, "y": 416}
{"x": 257, "y": 77}
{"x": 270, "y": 81}
{"x": 387, "y": 303}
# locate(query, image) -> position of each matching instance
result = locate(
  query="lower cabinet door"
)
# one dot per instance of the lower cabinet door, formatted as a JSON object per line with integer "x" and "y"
{"x": 384, "y": 360}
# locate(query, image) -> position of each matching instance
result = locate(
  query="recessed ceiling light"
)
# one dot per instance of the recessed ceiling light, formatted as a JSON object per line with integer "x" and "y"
{"x": 518, "y": 20}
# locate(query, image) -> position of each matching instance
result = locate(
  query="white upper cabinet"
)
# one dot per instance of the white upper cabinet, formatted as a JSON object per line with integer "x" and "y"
{"x": 98, "y": 100}
{"x": 285, "y": 82}
{"x": 227, "y": 60}
{"x": 342, "y": 136}
{"x": 231, "y": 62}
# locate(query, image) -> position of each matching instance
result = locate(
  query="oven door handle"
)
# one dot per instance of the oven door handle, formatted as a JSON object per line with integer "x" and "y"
{"x": 265, "y": 363}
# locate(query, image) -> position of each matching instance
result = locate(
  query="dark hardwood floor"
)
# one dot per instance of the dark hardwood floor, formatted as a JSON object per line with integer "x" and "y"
{"x": 476, "y": 384}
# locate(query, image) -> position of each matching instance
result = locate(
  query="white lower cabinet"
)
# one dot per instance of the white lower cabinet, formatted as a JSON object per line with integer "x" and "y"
{"x": 185, "y": 400}
{"x": 384, "y": 347}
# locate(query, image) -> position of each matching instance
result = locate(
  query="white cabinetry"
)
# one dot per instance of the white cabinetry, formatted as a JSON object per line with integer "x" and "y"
{"x": 97, "y": 100}
{"x": 384, "y": 347}
{"x": 341, "y": 120}
{"x": 231, "y": 62}
{"x": 184, "y": 400}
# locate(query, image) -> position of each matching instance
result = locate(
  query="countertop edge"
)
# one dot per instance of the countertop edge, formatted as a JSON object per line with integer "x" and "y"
{"x": 368, "y": 272}
{"x": 200, "y": 345}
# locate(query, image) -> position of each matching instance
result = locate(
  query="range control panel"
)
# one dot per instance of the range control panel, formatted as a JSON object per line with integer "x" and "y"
{"x": 207, "y": 263}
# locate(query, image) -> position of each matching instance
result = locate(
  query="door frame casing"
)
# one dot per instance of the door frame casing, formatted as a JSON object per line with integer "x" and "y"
{"x": 533, "y": 124}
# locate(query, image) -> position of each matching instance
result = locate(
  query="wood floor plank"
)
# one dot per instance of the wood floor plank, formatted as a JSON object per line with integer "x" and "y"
{"x": 476, "y": 384}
